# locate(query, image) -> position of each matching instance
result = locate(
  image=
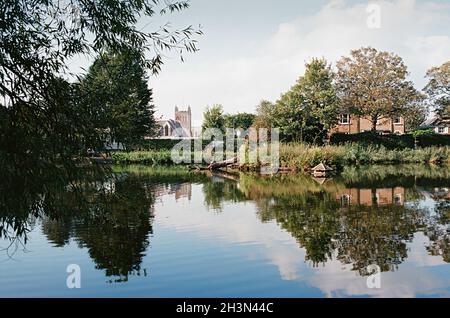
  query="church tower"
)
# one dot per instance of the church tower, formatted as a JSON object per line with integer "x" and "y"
{"x": 185, "y": 119}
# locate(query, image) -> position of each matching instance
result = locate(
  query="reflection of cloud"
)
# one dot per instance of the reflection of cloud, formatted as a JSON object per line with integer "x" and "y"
{"x": 287, "y": 259}
{"x": 418, "y": 256}
{"x": 406, "y": 282}
{"x": 238, "y": 224}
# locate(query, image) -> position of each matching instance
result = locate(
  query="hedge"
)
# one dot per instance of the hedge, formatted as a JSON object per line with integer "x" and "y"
{"x": 168, "y": 144}
{"x": 392, "y": 141}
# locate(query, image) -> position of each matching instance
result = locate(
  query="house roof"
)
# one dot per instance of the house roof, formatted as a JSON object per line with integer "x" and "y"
{"x": 430, "y": 121}
{"x": 175, "y": 127}
{"x": 435, "y": 121}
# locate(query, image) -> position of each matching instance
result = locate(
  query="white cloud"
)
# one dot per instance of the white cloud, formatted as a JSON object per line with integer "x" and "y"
{"x": 416, "y": 31}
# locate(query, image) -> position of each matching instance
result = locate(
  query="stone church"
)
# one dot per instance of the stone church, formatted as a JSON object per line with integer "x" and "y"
{"x": 180, "y": 127}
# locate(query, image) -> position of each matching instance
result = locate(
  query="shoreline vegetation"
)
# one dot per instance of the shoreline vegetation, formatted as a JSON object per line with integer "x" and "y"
{"x": 302, "y": 157}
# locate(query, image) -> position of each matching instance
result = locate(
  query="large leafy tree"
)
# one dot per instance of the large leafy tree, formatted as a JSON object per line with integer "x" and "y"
{"x": 416, "y": 115}
{"x": 438, "y": 88}
{"x": 116, "y": 86}
{"x": 37, "y": 41}
{"x": 374, "y": 84}
{"x": 310, "y": 107}
{"x": 213, "y": 117}
{"x": 239, "y": 120}
{"x": 264, "y": 115}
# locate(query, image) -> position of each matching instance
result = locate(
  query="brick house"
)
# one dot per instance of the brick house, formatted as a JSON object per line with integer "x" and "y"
{"x": 440, "y": 125}
{"x": 352, "y": 124}
{"x": 371, "y": 197}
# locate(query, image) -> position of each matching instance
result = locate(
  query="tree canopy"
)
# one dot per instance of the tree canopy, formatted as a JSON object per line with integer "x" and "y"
{"x": 37, "y": 41}
{"x": 310, "y": 107}
{"x": 374, "y": 83}
{"x": 239, "y": 120}
{"x": 213, "y": 117}
{"x": 116, "y": 90}
{"x": 438, "y": 88}
{"x": 264, "y": 115}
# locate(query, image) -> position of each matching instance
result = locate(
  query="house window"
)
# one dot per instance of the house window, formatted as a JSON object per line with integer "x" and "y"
{"x": 397, "y": 120}
{"x": 441, "y": 130}
{"x": 166, "y": 130}
{"x": 344, "y": 119}
{"x": 398, "y": 199}
{"x": 345, "y": 200}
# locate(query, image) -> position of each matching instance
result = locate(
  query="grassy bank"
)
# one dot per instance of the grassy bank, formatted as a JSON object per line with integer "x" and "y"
{"x": 302, "y": 156}
{"x": 153, "y": 157}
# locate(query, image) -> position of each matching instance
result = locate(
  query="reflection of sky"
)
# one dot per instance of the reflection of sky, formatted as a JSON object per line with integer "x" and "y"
{"x": 238, "y": 225}
{"x": 199, "y": 252}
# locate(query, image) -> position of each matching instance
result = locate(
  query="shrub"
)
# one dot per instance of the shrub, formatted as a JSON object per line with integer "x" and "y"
{"x": 423, "y": 138}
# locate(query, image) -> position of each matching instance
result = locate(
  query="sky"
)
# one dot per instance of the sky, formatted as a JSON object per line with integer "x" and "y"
{"x": 256, "y": 49}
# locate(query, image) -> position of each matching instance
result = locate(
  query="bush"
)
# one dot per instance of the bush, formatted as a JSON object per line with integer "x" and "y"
{"x": 143, "y": 157}
{"x": 168, "y": 144}
{"x": 424, "y": 138}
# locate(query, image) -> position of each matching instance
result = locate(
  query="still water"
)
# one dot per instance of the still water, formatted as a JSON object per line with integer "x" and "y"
{"x": 150, "y": 232}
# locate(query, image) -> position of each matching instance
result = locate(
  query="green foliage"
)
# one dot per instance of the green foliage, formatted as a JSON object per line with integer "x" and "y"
{"x": 42, "y": 120}
{"x": 416, "y": 114}
{"x": 168, "y": 144}
{"x": 143, "y": 157}
{"x": 374, "y": 84}
{"x": 239, "y": 120}
{"x": 423, "y": 132}
{"x": 303, "y": 156}
{"x": 438, "y": 88}
{"x": 309, "y": 108}
{"x": 264, "y": 115}
{"x": 213, "y": 117}
{"x": 115, "y": 89}
{"x": 420, "y": 138}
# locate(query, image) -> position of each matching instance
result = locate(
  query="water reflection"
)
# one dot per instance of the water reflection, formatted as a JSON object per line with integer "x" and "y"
{"x": 365, "y": 216}
{"x": 109, "y": 214}
{"x": 357, "y": 220}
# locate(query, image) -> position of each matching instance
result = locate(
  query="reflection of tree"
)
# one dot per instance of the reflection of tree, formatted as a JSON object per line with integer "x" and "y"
{"x": 325, "y": 227}
{"x": 114, "y": 227}
{"x": 110, "y": 215}
{"x": 358, "y": 235}
{"x": 217, "y": 190}
{"x": 311, "y": 219}
{"x": 108, "y": 212}
{"x": 376, "y": 235}
{"x": 438, "y": 231}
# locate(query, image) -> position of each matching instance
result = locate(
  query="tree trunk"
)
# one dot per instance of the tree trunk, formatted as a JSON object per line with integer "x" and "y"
{"x": 374, "y": 123}
{"x": 221, "y": 164}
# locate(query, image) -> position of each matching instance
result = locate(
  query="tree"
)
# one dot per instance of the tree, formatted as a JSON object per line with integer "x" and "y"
{"x": 373, "y": 84}
{"x": 288, "y": 116}
{"x": 213, "y": 117}
{"x": 415, "y": 116}
{"x": 38, "y": 38}
{"x": 239, "y": 120}
{"x": 310, "y": 107}
{"x": 116, "y": 85}
{"x": 264, "y": 115}
{"x": 438, "y": 88}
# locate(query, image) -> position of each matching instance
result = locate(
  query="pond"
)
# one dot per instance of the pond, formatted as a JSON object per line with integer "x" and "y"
{"x": 165, "y": 232}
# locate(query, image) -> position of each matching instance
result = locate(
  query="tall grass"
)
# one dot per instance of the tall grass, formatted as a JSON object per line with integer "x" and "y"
{"x": 302, "y": 156}
{"x": 155, "y": 158}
